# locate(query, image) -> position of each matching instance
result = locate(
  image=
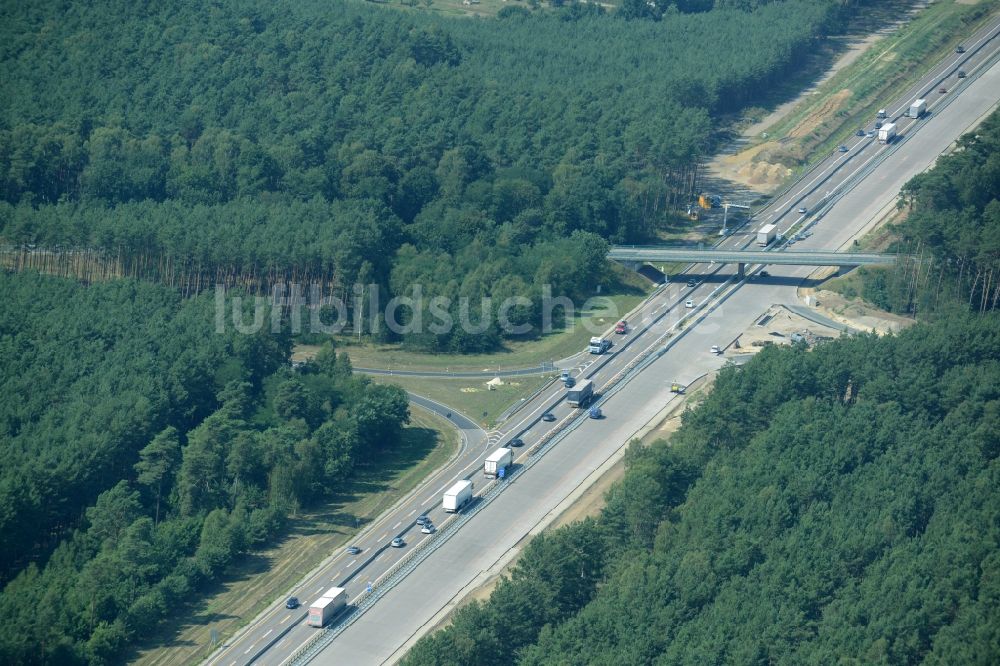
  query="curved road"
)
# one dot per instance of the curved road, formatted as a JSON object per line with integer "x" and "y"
{"x": 723, "y": 308}
{"x": 537, "y": 370}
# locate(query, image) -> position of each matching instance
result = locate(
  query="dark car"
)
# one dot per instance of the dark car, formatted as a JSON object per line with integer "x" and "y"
{"x": 860, "y": 132}
{"x": 691, "y": 283}
{"x": 353, "y": 550}
{"x": 942, "y": 90}
{"x": 842, "y": 149}
{"x": 548, "y": 417}
{"x": 569, "y": 382}
{"x": 293, "y": 602}
{"x": 423, "y": 520}
{"x": 959, "y": 49}
{"x": 516, "y": 442}
{"x": 765, "y": 274}
{"x": 961, "y": 73}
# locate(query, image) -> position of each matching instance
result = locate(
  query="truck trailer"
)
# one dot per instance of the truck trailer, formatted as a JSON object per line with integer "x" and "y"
{"x": 766, "y": 234}
{"x": 326, "y": 607}
{"x": 457, "y": 496}
{"x": 917, "y": 109}
{"x": 887, "y": 133}
{"x": 498, "y": 460}
{"x": 581, "y": 394}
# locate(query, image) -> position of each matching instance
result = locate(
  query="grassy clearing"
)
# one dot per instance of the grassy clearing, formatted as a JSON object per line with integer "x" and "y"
{"x": 601, "y": 313}
{"x": 259, "y": 579}
{"x": 850, "y": 98}
{"x": 471, "y": 396}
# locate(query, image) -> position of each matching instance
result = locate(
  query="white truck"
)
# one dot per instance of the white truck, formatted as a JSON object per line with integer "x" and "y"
{"x": 766, "y": 234}
{"x": 457, "y": 496}
{"x": 917, "y": 109}
{"x": 326, "y": 607}
{"x": 887, "y": 133}
{"x": 581, "y": 394}
{"x": 498, "y": 460}
{"x": 599, "y": 345}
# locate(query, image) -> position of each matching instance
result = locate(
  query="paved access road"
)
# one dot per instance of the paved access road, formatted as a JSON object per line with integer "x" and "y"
{"x": 721, "y": 309}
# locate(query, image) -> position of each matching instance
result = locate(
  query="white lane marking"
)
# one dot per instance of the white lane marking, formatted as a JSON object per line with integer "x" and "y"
{"x": 335, "y": 576}
{"x": 351, "y": 562}
{"x": 397, "y": 524}
{"x": 429, "y": 499}
{"x": 285, "y": 619}
{"x": 247, "y": 651}
{"x": 412, "y": 512}
{"x": 278, "y": 644}
{"x": 319, "y": 590}
{"x": 269, "y": 631}
{"x": 383, "y": 536}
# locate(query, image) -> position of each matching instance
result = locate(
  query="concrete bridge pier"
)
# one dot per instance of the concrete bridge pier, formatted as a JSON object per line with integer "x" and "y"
{"x": 741, "y": 270}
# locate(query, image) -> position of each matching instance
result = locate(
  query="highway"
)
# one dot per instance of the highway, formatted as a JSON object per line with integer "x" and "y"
{"x": 723, "y": 307}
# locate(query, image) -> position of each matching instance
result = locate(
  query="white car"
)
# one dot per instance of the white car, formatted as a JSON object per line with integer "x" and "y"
{"x": 397, "y": 543}
{"x": 689, "y": 303}
{"x": 428, "y": 529}
{"x": 716, "y": 350}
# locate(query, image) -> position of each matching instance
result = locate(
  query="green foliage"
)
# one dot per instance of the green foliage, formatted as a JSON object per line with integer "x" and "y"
{"x": 951, "y": 234}
{"x": 249, "y": 144}
{"x": 830, "y": 506}
{"x": 133, "y": 477}
{"x": 555, "y": 577}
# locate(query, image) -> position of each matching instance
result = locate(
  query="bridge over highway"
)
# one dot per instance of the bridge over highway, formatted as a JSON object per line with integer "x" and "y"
{"x": 640, "y": 254}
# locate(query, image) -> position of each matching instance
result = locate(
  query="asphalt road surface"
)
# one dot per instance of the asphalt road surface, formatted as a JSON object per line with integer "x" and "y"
{"x": 723, "y": 308}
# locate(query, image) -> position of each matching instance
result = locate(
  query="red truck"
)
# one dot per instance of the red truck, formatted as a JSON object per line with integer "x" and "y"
{"x": 621, "y": 328}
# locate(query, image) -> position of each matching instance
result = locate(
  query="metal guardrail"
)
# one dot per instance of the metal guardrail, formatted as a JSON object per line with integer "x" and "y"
{"x": 801, "y": 257}
{"x": 616, "y": 383}
{"x": 422, "y": 551}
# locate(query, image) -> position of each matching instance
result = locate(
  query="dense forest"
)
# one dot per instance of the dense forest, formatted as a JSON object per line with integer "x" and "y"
{"x": 143, "y": 451}
{"x": 833, "y": 506}
{"x": 950, "y": 234}
{"x": 247, "y": 143}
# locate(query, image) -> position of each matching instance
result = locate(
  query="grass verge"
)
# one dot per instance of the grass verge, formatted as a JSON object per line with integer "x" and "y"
{"x": 599, "y": 314}
{"x": 260, "y": 578}
{"x": 471, "y": 396}
{"x": 850, "y": 98}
